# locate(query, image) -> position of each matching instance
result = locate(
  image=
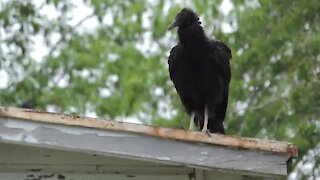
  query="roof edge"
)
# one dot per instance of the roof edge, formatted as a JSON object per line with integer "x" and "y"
{"x": 169, "y": 133}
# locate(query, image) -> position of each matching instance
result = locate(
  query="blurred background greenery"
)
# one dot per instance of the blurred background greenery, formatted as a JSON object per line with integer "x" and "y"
{"x": 108, "y": 58}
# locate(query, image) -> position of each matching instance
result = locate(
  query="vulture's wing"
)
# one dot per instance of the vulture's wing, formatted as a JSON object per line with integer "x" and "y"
{"x": 173, "y": 62}
{"x": 223, "y": 56}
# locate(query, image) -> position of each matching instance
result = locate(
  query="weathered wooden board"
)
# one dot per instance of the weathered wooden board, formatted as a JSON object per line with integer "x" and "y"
{"x": 19, "y": 158}
{"x": 167, "y": 133}
{"x": 141, "y": 147}
{"x": 34, "y": 163}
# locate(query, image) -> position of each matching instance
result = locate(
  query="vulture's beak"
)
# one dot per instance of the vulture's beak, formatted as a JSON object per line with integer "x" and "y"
{"x": 173, "y": 25}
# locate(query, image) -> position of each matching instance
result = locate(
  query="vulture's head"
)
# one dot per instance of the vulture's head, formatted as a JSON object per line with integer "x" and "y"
{"x": 184, "y": 19}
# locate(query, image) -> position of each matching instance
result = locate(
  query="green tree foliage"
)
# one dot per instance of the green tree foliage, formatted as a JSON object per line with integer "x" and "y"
{"x": 118, "y": 68}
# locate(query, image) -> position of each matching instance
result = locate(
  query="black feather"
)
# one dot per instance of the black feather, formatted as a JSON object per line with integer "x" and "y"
{"x": 200, "y": 70}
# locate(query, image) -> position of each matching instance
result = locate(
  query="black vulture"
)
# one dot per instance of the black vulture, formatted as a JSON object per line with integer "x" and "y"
{"x": 200, "y": 70}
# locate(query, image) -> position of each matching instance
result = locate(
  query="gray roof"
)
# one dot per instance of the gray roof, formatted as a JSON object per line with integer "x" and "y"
{"x": 145, "y": 143}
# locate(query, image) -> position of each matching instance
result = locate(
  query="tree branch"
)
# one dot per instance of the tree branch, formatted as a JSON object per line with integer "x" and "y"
{"x": 69, "y": 30}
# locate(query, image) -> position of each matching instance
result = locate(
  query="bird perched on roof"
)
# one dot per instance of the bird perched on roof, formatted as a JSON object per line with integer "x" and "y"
{"x": 200, "y": 70}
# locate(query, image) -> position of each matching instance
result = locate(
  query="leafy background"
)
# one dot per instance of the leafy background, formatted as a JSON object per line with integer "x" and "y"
{"x": 109, "y": 59}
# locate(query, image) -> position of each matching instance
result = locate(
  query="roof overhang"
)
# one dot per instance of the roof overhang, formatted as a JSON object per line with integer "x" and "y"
{"x": 145, "y": 143}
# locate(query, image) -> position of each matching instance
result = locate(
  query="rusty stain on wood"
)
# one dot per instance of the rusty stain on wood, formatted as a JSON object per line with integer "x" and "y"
{"x": 169, "y": 133}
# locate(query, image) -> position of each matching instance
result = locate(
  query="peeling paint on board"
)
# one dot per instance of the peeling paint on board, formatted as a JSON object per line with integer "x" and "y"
{"x": 31, "y": 139}
{"x": 21, "y": 125}
{"x": 17, "y": 137}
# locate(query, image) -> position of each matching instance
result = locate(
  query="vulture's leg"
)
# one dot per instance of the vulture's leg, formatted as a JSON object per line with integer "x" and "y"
{"x": 191, "y": 125}
{"x": 206, "y": 118}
